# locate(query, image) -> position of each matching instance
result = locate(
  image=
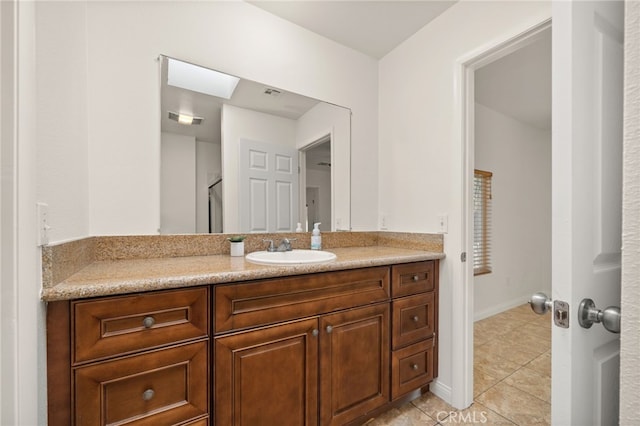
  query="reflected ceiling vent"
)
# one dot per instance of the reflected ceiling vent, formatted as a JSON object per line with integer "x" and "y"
{"x": 185, "y": 119}
{"x": 272, "y": 92}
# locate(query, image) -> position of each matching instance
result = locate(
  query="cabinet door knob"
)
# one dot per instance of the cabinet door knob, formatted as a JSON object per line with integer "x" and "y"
{"x": 329, "y": 329}
{"x": 148, "y": 394}
{"x": 315, "y": 332}
{"x": 415, "y": 278}
{"x": 414, "y": 366}
{"x": 415, "y": 318}
{"x": 148, "y": 322}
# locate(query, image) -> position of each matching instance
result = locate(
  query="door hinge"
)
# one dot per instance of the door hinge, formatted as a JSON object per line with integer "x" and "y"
{"x": 463, "y": 256}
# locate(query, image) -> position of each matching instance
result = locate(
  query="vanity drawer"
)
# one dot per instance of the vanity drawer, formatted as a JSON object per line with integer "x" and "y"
{"x": 413, "y": 319}
{"x": 412, "y": 278}
{"x": 168, "y": 386}
{"x": 121, "y": 325}
{"x": 240, "y": 306}
{"x": 412, "y": 368}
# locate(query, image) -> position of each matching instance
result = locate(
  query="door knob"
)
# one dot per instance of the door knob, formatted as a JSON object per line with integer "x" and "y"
{"x": 540, "y": 303}
{"x": 609, "y": 317}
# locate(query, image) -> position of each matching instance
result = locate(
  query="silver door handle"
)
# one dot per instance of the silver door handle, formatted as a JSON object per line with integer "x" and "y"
{"x": 540, "y": 303}
{"x": 609, "y": 317}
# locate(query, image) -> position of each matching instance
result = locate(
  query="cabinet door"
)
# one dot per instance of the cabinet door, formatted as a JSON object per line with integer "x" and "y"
{"x": 268, "y": 376}
{"x": 354, "y": 363}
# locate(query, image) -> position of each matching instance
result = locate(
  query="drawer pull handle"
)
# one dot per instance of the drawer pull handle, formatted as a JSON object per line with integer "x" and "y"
{"x": 329, "y": 329}
{"x": 315, "y": 332}
{"x": 415, "y": 318}
{"x": 415, "y": 278}
{"x": 414, "y": 366}
{"x": 148, "y": 394}
{"x": 148, "y": 322}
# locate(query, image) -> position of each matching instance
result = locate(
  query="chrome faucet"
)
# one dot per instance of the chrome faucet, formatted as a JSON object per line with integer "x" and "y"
{"x": 285, "y": 244}
{"x": 271, "y": 247}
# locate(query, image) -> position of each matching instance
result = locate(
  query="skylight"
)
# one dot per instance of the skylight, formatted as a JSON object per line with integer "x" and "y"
{"x": 199, "y": 79}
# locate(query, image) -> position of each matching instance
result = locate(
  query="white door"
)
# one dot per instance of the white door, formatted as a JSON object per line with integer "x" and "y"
{"x": 587, "y": 197}
{"x": 268, "y": 187}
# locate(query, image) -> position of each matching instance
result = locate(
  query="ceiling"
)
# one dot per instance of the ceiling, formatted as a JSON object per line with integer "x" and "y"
{"x": 519, "y": 84}
{"x": 371, "y": 27}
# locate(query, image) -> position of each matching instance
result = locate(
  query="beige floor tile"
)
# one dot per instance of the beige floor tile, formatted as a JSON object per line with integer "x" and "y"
{"x": 406, "y": 415}
{"x": 539, "y": 330}
{"x": 518, "y": 354}
{"x": 482, "y": 381}
{"x": 432, "y": 405}
{"x": 525, "y": 338}
{"x": 495, "y": 366}
{"x": 542, "y": 364}
{"x": 532, "y": 382}
{"x": 516, "y": 405}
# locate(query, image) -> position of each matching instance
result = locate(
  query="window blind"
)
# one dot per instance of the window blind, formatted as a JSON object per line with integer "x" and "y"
{"x": 482, "y": 222}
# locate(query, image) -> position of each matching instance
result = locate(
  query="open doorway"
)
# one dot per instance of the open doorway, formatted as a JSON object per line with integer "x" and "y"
{"x": 509, "y": 103}
{"x": 316, "y": 184}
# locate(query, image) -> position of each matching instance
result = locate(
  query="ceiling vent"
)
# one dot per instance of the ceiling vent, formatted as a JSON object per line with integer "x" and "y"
{"x": 271, "y": 92}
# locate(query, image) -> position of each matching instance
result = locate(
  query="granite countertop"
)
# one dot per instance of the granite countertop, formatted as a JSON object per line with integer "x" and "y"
{"x": 122, "y": 276}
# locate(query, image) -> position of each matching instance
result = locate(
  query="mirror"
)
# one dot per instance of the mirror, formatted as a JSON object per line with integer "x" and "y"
{"x": 263, "y": 160}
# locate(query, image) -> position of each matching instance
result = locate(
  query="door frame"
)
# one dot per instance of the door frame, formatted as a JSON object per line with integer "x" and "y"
{"x": 463, "y": 309}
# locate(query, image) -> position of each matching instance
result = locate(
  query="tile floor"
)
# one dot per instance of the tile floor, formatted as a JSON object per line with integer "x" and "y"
{"x": 512, "y": 377}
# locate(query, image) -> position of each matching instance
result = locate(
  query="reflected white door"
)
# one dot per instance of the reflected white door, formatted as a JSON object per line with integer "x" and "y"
{"x": 268, "y": 187}
{"x": 587, "y": 199}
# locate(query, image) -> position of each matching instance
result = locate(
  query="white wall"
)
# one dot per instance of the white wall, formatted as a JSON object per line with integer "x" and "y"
{"x": 177, "y": 184}
{"x": 420, "y": 155}
{"x": 118, "y": 87}
{"x": 241, "y": 123}
{"x": 519, "y": 156}
{"x": 62, "y": 130}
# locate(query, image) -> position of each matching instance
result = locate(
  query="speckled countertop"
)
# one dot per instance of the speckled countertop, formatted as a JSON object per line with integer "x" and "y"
{"x": 99, "y": 275}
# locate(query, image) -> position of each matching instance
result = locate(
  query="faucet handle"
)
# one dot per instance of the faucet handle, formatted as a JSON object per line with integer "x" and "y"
{"x": 271, "y": 246}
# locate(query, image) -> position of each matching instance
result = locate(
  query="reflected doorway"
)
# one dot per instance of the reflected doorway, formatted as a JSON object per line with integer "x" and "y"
{"x": 316, "y": 184}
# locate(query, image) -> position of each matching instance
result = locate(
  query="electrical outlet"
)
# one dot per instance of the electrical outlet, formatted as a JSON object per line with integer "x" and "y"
{"x": 338, "y": 224}
{"x": 384, "y": 221}
{"x": 42, "y": 212}
{"x": 443, "y": 224}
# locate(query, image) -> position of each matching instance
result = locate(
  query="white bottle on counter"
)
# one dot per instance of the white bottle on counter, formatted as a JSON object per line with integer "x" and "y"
{"x": 299, "y": 227}
{"x": 316, "y": 238}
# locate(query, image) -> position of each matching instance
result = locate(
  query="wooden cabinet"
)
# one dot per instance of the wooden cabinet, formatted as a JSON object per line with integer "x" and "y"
{"x": 415, "y": 315}
{"x": 136, "y": 359}
{"x": 326, "y": 349}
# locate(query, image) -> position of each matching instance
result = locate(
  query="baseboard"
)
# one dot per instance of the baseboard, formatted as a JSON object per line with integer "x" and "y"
{"x": 440, "y": 390}
{"x": 501, "y": 307}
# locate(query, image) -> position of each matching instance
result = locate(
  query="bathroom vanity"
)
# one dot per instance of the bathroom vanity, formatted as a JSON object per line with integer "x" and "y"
{"x": 331, "y": 344}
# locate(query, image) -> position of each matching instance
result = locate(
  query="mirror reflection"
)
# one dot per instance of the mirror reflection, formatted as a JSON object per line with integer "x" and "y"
{"x": 240, "y": 156}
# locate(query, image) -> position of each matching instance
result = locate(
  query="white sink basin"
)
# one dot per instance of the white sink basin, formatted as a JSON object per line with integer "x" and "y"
{"x": 293, "y": 257}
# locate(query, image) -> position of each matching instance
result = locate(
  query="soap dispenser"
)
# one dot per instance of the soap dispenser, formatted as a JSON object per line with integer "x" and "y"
{"x": 316, "y": 238}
